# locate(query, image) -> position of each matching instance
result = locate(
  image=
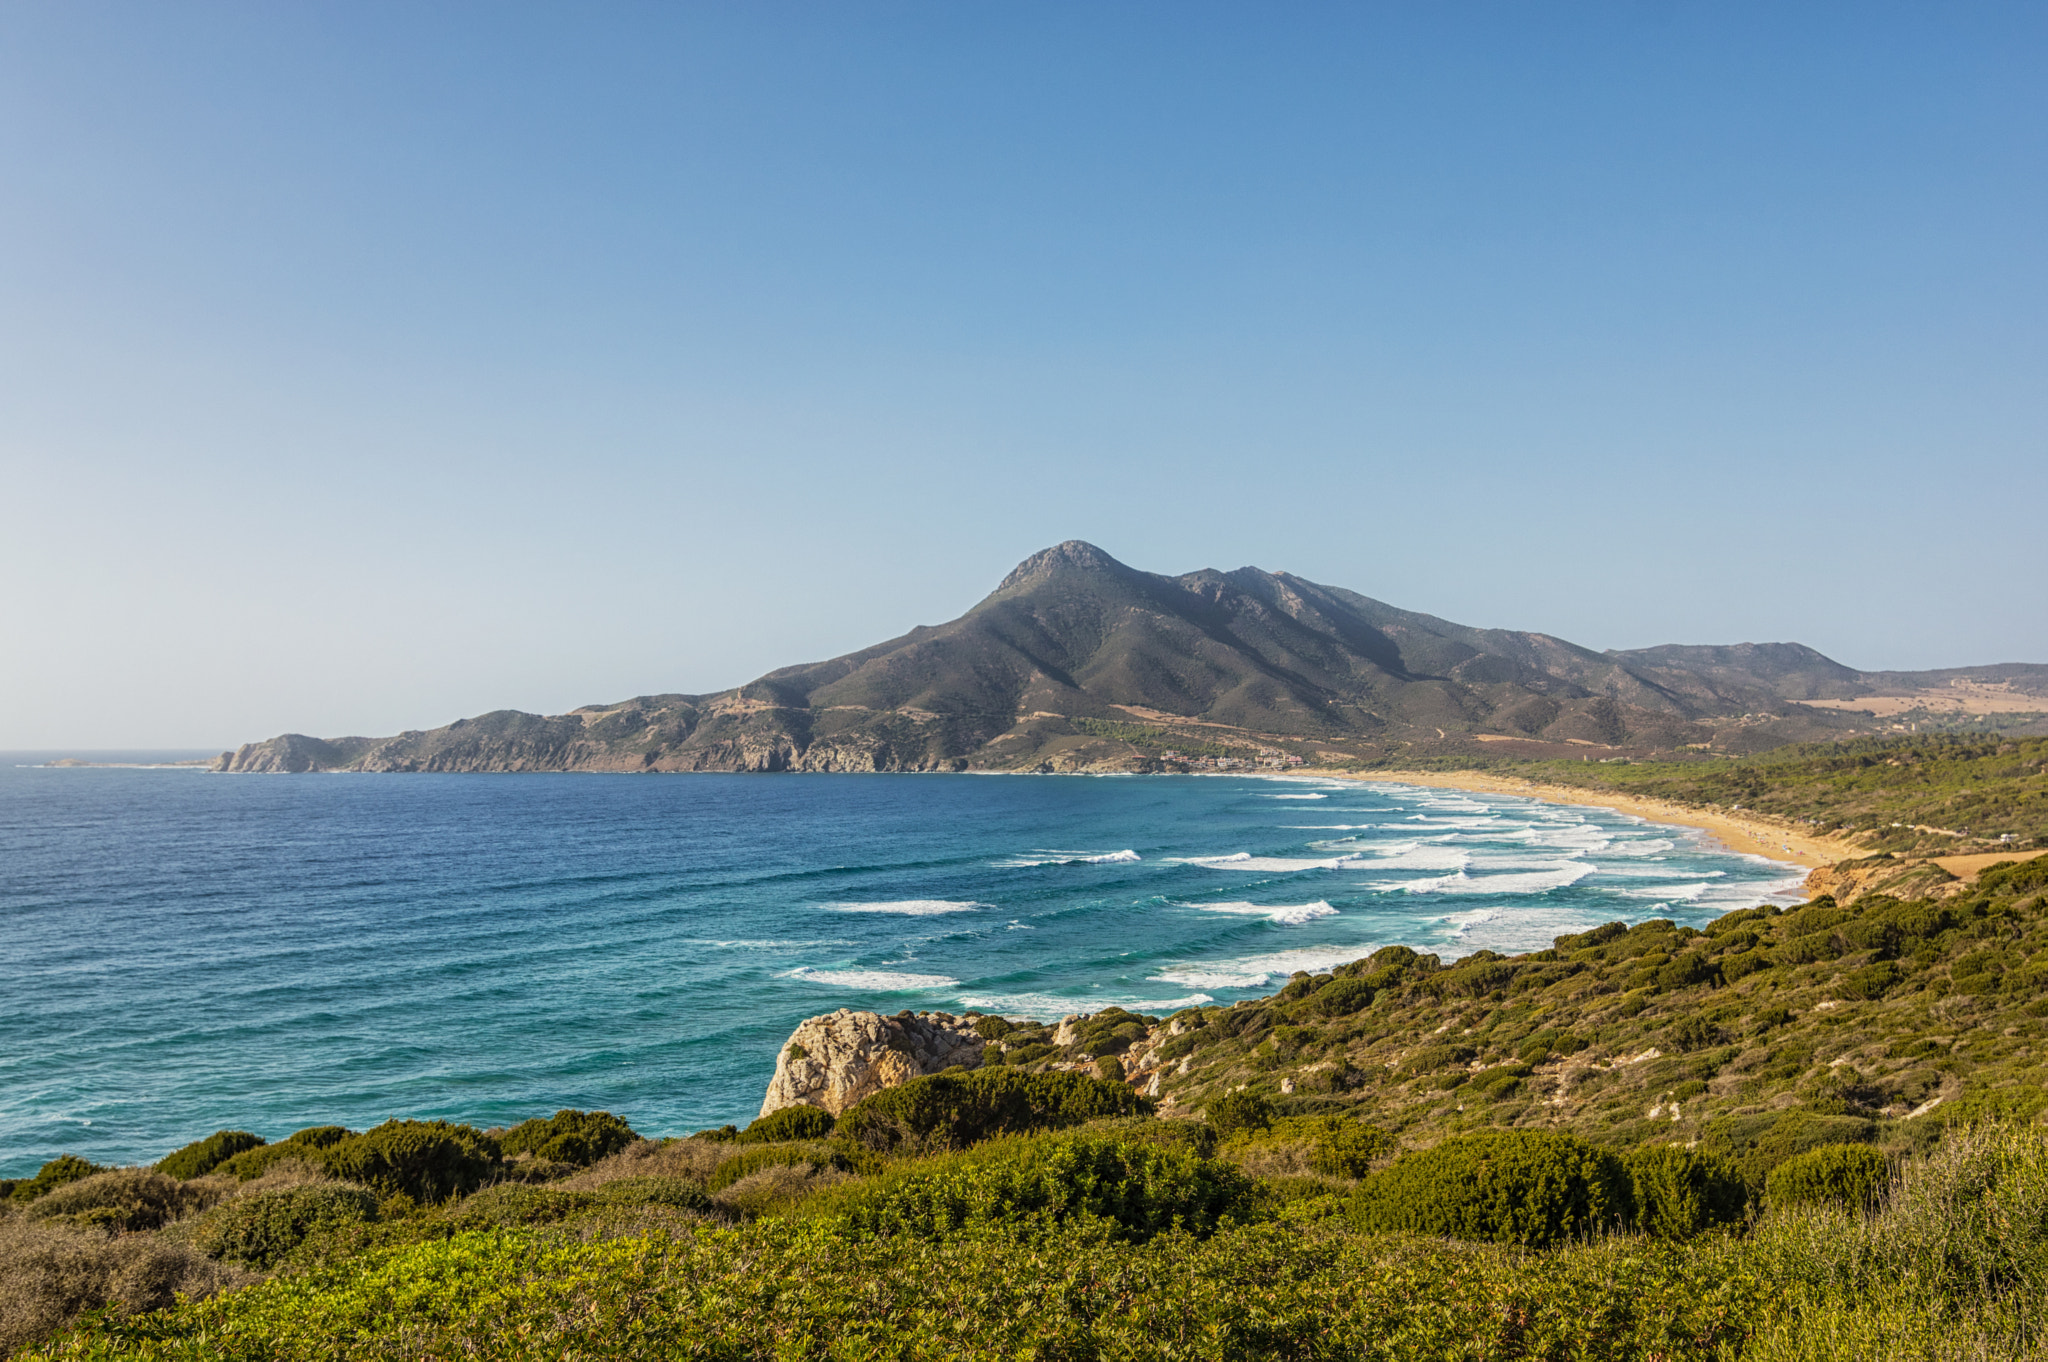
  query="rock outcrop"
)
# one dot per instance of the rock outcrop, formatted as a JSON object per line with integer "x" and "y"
{"x": 835, "y": 1060}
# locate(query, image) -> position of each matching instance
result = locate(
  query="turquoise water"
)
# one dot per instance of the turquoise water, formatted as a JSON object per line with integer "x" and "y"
{"x": 184, "y": 952}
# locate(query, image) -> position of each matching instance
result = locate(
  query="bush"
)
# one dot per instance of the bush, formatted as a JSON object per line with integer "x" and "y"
{"x": 1512, "y": 1186}
{"x": 1852, "y": 1175}
{"x": 203, "y": 1156}
{"x": 52, "y": 1175}
{"x": 1235, "y": 1111}
{"x": 1430, "y": 1058}
{"x": 790, "y": 1123}
{"x": 428, "y": 1161}
{"x": 954, "y": 1110}
{"x": 573, "y": 1137}
{"x": 1137, "y": 1187}
{"x": 122, "y": 1200}
{"x": 1679, "y": 1192}
{"x": 1743, "y": 964}
{"x": 1342, "y": 997}
{"x": 1872, "y": 981}
{"x": 517, "y": 1203}
{"x": 680, "y": 1193}
{"x": 304, "y": 1145}
{"x": 261, "y": 1229}
{"x": 753, "y": 1161}
{"x": 51, "y": 1274}
{"x": 1338, "y": 1145}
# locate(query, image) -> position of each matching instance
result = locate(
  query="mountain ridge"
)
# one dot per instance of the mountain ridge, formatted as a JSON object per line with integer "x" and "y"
{"x": 1077, "y": 661}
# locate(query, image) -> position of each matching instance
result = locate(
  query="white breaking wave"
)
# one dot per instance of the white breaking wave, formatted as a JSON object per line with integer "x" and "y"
{"x": 910, "y": 907}
{"x": 1255, "y": 971}
{"x": 1413, "y": 857}
{"x": 1295, "y": 796}
{"x": 1274, "y": 865}
{"x": 1073, "y": 858}
{"x": 1286, "y": 914}
{"x": 1651, "y": 846}
{"x": 1682, "y": 893}
{"x": 1540, "y": 882}
{"x": 886, "y": 981}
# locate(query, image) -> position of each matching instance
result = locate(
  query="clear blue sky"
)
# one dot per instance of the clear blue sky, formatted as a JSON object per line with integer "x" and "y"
{"x": 367, "y": 365}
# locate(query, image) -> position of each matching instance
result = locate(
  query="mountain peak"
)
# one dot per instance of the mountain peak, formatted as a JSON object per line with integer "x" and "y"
{"x": 1073, "y": 555}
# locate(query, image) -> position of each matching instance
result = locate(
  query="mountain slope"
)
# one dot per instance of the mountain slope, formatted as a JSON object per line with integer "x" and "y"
{"x": 1079, "y": 661}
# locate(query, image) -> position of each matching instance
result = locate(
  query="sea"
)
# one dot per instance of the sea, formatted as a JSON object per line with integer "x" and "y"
{"x": 183, "y": 952}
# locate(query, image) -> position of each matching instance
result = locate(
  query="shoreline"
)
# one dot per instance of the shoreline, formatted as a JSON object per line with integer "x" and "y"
{"x": 1747, "y": 835}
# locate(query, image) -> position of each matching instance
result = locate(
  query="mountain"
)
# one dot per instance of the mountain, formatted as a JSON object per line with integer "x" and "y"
{"x": 1077, "y": 661}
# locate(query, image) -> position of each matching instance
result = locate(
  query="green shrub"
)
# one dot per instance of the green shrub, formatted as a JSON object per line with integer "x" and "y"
{"x": 259, "y": 1230}
{"x": 304, "y": 1145}
{"x": 1235, "y": 1111}
{"x": 1872, "y": 981}
{"x": 1743, "y": 964}
{"x": 1853, "y": 1175}
{"x": 1109, "y": 1069}
{"x": 121, "y": 1199}
{"x": 754, "y": 1160}
{"x": 680, "y": 1193}
{"x": 1430, "y": 1058}
{"x": 954, "y": 1110}
{"x": 518, "y": 1203}
{"x": 790, "y": 1123}
{"x": 1137, "y": 1187}
{"x": 203, "y": 1156}
{"x": 1526, "y": 1187}
{"x": 1342, "y": 997}
{"x": 1692, "y": 1033}
{"x": 574, "y": 1137}
{"x": 1685, "y": 971}
{"x": 1339, "y": 1146}
{"x": 428, "y": 1161}
{"x": 1679, "y": 1192}
{"x": 52, "y": 1175}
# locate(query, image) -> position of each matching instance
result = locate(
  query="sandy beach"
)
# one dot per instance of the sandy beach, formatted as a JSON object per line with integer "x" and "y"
{"x": 1744, "y": 833}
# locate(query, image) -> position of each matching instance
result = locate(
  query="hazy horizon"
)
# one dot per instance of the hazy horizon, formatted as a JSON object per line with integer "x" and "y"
{"x": 372, "y": 366}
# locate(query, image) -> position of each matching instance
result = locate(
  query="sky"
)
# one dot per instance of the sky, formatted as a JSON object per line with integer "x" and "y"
{"x": 368, "y": 365}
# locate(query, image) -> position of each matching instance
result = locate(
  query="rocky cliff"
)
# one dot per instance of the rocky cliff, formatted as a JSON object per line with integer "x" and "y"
{"x": 834, "y": 1061}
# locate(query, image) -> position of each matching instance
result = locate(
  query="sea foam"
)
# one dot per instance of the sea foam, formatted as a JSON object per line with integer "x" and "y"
{"x": 881, "y": 981}
{"x": 1286, "y": 914}
{"x": 910, "y": 907}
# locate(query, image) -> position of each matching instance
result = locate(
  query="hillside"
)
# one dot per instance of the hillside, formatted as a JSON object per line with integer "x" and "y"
{"x": 1077, "y": 661}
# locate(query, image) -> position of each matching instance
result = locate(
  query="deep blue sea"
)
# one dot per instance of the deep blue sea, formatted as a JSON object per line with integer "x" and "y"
{"x": 182, "y": 952}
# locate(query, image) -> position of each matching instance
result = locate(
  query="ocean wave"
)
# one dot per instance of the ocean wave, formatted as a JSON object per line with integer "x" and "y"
{"x": 1647, "y": 846}
{"x": 1255, "y": 971}
{"x": 1680, "y": 893}
{"x": 1072, "y": 858}
{"x": 1271, "y": 865}
{"x": 1417, "y": 858}
{"x": 885, "y": 981}
{"x": 1286, "y": 914}
{"x": 1539, "y": 882}
{"x": 910, "y": 907}
{"x": 1295, "y": 796}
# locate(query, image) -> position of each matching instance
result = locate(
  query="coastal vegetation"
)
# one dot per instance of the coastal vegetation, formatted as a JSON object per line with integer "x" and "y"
{"x": 1810, "y": 1133}
{"x": 1910, "y": 795}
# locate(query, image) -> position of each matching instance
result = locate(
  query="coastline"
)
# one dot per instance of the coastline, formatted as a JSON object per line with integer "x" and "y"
{"x": 1749, "y": 835}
